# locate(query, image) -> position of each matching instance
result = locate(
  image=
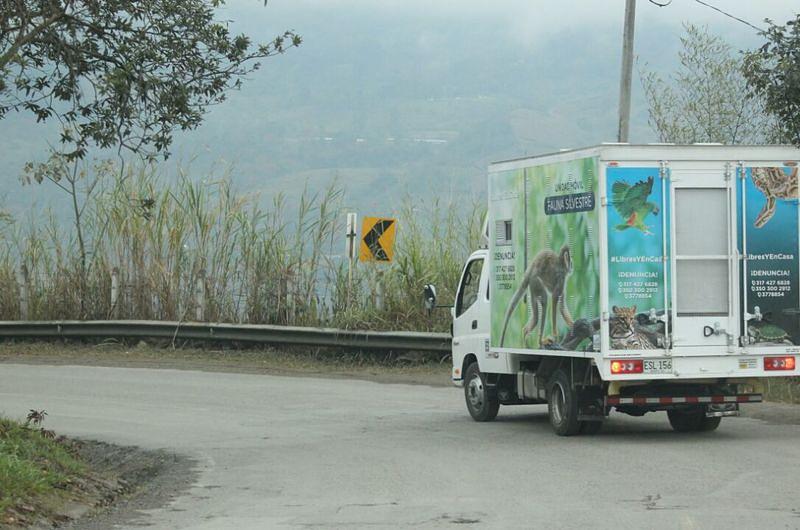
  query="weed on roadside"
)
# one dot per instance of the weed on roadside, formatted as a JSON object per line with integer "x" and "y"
{"x": 33, "y": 467}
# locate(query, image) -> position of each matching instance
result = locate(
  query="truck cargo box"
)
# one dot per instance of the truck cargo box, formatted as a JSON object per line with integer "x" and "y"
{"x": 682, "y": 257}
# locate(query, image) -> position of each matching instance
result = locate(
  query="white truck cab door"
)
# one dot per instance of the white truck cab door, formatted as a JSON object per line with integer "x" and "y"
{"x": 471, "y": 314}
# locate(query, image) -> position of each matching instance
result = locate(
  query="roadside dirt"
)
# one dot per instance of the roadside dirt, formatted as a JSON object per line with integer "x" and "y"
{"x": 773, "y": 413}
{"x": 403, "y": 369}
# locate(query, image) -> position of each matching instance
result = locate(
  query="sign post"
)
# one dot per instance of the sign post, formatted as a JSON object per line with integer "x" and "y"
{"x": 352, "y": 233}
{"x": 377, "y": 245}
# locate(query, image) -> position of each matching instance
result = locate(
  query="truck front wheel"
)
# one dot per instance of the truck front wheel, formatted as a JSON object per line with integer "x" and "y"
{"x": 482, "y": 404}
{"x": 693, "y": 420}
{"x": 562, "y": 405}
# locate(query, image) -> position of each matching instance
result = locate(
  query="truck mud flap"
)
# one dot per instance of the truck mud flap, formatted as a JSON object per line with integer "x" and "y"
{"x": 590, "y": 404}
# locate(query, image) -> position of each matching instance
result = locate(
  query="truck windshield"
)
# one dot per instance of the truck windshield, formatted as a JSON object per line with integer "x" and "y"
{"x": 470, "y": 283}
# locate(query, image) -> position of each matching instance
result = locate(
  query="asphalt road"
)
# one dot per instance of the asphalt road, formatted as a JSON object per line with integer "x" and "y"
{"x": 277, "y": 452}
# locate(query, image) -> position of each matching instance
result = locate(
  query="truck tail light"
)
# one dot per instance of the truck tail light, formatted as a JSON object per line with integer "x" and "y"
{"x": 634, "y": 366}
{"x": 779, "y": 363}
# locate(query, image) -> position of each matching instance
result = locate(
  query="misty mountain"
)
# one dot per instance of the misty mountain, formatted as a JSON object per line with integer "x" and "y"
{"x": 391, "y": 104}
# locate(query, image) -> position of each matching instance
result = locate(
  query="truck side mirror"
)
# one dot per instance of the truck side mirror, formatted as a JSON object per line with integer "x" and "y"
{"x": 429, "y": 294}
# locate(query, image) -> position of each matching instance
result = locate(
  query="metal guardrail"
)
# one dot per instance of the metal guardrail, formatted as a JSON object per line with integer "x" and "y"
{"x": 326, "y": 337}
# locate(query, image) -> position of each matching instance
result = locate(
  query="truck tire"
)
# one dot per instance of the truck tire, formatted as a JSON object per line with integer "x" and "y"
{"x": 694, "y": 420}
{"x": 481, "y": 404}
{"x": 562, "y": 405}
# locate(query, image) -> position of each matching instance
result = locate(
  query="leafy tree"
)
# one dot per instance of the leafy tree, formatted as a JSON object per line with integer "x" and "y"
{"x": 773, "y": 73}
{"x": 121, "y": 73}
{"x": 705, "y": 99}
{"x": 72, "y": 179}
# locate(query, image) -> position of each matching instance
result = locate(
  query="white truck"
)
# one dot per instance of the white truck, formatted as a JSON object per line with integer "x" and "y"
{"x": 635, "y": 277}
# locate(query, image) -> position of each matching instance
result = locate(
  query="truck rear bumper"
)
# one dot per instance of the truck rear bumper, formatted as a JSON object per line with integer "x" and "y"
{"x": 616, "y": 400}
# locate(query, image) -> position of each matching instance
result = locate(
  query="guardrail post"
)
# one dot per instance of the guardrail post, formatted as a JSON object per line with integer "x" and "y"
{"x": 322, "y": 310}
{"x": 114, "y": 292}
{"x": 290, "y": 299}
{"x": 24, "y": 293}
{"x": 200, "y": 295}
{"x": 179, "y": 303}
{"x": 379, "y": 291}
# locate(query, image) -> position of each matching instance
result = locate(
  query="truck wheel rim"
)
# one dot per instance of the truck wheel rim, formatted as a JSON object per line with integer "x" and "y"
{"x": 475, "y": 392}
{"x": 558, "y": 400}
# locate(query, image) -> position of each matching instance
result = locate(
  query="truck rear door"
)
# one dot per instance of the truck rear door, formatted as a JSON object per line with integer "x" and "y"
{"x": 770, "y": 271}
{"x": 704, "y": 260}
{"x": 735, "y": 272}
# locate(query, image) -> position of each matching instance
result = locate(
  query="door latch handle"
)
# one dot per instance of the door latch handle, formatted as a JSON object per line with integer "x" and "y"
{"x": 716, "y": 330}
{"x": 474, "y": 324}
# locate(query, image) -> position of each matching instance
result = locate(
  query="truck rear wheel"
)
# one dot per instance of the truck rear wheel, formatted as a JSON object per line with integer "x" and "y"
{"x": 694, "y": 420}
{"x": 562, "y": 405}
{"x": 481, "y": 404}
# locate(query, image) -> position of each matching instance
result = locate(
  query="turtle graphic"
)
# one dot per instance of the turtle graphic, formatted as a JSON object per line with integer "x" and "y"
{"x": 632, "y": 205}
{"x": 767, "y": 332}
{"x": 775, "y": 184}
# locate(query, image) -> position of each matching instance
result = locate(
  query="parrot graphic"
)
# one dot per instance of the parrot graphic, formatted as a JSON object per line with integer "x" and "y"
{"x": 632, "y": 205}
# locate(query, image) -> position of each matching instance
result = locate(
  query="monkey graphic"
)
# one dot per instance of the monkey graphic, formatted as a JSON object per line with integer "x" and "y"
{"x": 546, "y": 276}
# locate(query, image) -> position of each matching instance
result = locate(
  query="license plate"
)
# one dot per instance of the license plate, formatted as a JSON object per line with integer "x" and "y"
{"x": 658, "y": 366}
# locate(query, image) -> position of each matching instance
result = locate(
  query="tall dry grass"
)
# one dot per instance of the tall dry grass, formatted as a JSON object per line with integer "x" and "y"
{"x": 178, "y": 245}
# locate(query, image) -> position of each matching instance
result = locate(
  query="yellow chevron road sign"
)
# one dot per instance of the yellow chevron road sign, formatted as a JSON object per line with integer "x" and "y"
{"x": 377, "y": 239}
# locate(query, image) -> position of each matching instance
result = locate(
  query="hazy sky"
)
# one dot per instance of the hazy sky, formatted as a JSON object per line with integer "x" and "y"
{"x": 432, "y": 27}
{"x": 527, "y": 20}
{"x": 530, "y": 24}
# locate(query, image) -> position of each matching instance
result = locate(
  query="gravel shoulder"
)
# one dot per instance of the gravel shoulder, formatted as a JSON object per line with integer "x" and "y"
{"x": 141, "y": 480}
{"x": 98, "y": 485}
